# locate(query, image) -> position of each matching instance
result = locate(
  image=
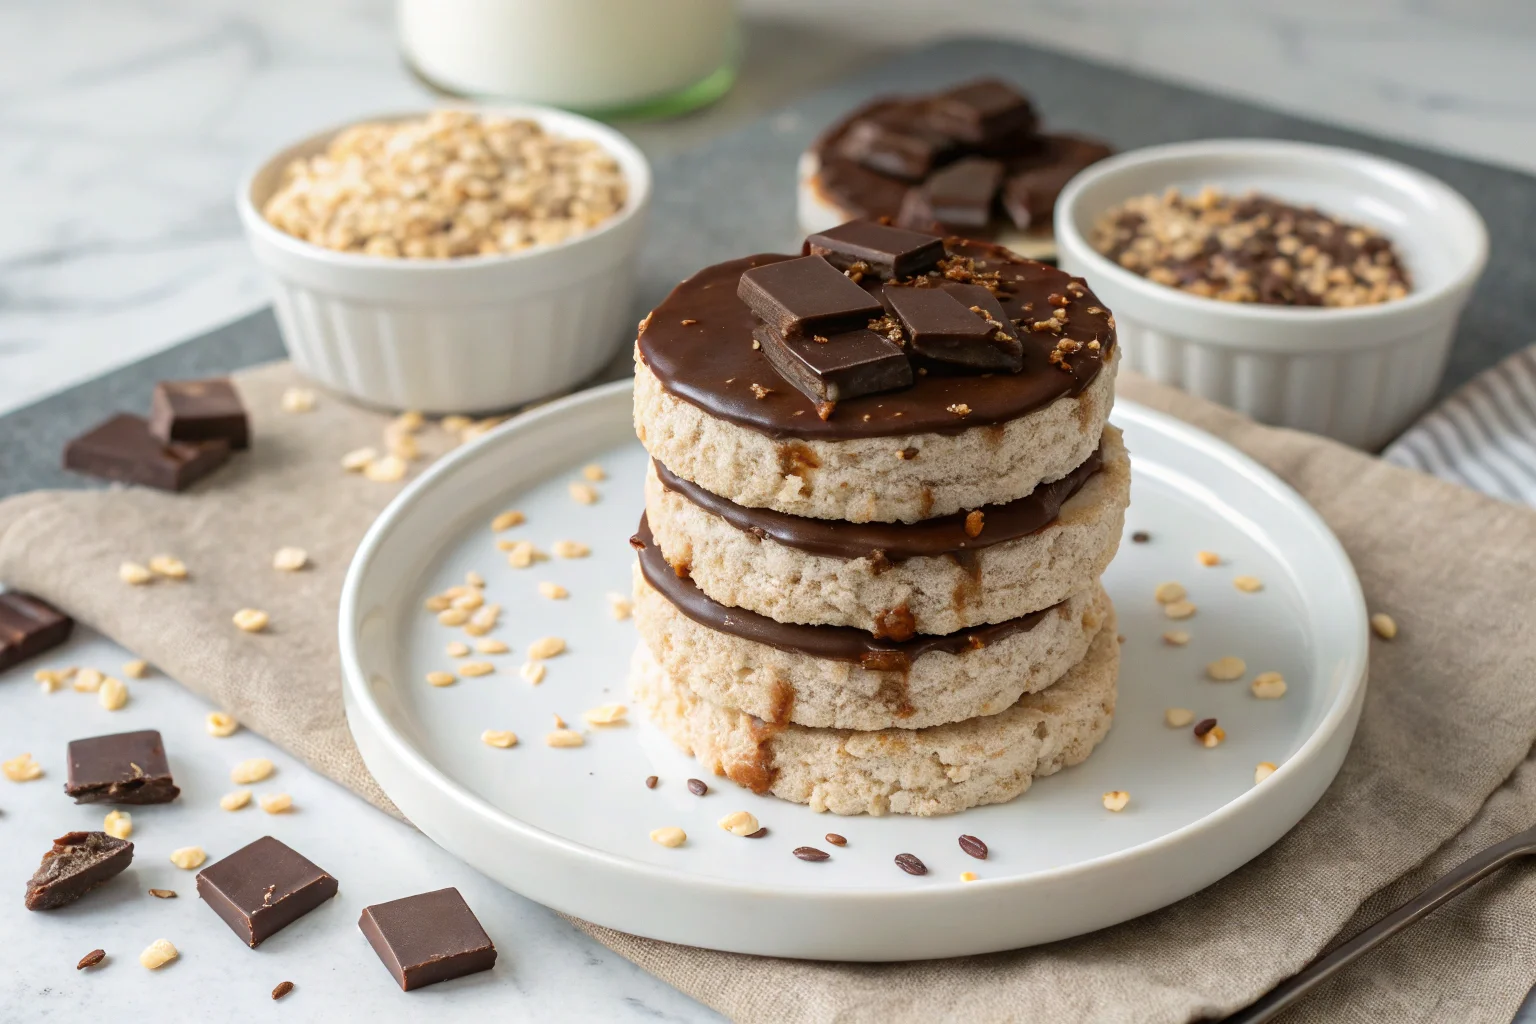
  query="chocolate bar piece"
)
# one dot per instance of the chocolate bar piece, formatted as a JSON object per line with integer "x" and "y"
{"x": 806, "y": 297}
{"x": 262, "y": 888}
{"x": 199, "y": 410}
{"x": 1029, "y": 195}
{"x": 78, "y": 863}
{"x": 895, "y": 142}
{"x": 843, "y": 366}
{"x": 981, "y": 111}
{"x": 124, "y": 768}
{"x": 429, "y": 938}
{"x": 958, "y": 196}
{"x": 1007, "y": 347}
{"x": 888, "y": 252}
{"x": 123, "y": 449}
{"x": 28, "y": 627}
{"x": 940, "y": 326}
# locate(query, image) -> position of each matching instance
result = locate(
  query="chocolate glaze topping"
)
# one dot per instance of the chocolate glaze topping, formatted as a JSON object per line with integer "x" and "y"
{"x": 894, "y": 542}
{"x": 835, "y": 643}
{"x": 698, "y": 343}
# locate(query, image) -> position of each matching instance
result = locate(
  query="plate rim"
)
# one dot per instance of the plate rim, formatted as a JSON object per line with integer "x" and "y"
{"x": 363, "y": 712}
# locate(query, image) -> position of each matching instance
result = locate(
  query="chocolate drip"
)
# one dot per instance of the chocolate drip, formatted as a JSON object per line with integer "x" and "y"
{"x": 927, "y": 538}
{"x": 835, "y": 643}
{"x": 699, "y": 345}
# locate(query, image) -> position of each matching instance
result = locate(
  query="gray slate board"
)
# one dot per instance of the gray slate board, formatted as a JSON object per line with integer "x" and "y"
{"x": 736, "y": 196}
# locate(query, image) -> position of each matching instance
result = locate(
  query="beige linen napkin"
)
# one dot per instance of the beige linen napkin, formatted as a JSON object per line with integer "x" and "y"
{"x": 1450, "y": 716}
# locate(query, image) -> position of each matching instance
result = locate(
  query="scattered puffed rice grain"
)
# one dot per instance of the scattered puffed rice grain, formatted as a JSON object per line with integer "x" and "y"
{"x": 498, "y": 738}
{"x": 253, "y": 770}
{"x": 671, "y": 836}
{"x": 584, "y": 494}
{"x": 476, "y": 668}
{"x": 220, "y": 724}
{"x": 87, "y": 680}
{"x": 508, "y": 519}
{"x": 441, "y": 678}
{"x": 457, "y": 649}
{"x": 236, "y": 800}
{"x": 1262, "y": 771}
{"x": 113, "y": 694}
{"x": 606, "y": 714}
{"x": 620, "y": 607}
{"x": 1225, "y": 670}
{"x": 276, "y": 803}
{"x": 546, "y": 647}
{"x": 553, "y": 591}
{"x": 21, "y": 768}
{"x": 474, "y": 579}
{"x": 1116, "y": 800}
{"x": 532, "y": 671}
{"x": 1178, "y": 718}
{"x": 1176, "y": 638}
{"x": 564, "y": 738}
{"x": 1268, "y": 686}
{"x": 118, "y": 824}
{"x": 1248, "y": 584}
{"x": 386, "y": 470}
{"x": 967, "y": 876}
{"x": 1167, "y": 593}
{"x": 453, "y": 616}
{"x": 298, "y": 400}
{"x": 1214, "y": 737}
{"x": 290, "y": 559}
{"x": 1179, "y": 609}
{"x": 168, "y": 566}
{"x": 157, "y": 954}
{"x": 189, "y": 858}
{"x": 521, "y": 555}
{"x": 137, "y": 669}
{"x": 1384, "y": 625}
{"x": 1208, "y": 558}
{"x": 359, "y": 459}
{"x": 491, "y": 646}
{"x": 740, "y": 823}
{"x": 134, "y": 574}
{"x": 437, "y": 603}
{"x": 48, "y": 680}
{"x": 594, "y": 472}
{"x": 251, "y": 620}
{"x": 470, "y": 601}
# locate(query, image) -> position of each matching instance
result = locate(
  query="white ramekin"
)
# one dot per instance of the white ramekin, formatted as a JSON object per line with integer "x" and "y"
{"x": 465, "y": 335}
{"x": 1359, "y": 375}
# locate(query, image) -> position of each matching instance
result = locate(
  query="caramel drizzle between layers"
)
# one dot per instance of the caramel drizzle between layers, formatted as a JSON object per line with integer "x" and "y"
{"x": 894, "y": 542}
{"x": 698, "y": 343}
{"x": 834, "y": 643}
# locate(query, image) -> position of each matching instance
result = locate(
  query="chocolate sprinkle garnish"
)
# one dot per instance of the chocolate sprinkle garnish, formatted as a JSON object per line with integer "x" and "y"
{"x": 910, "y": 864}
{"x": 811, "y": 853}
{"x": 1204, "y": 726}
{"x": 836, "y": 840}
{"x": 163, "y": 894}
{"x": 697, "y": 787}
{"x": 282, "y": 989}
{"x": 1141, "y": 536}
{"x": 91, "y": 959}
{"x": 973, "y": 846}
{"x": 650, "y": 781}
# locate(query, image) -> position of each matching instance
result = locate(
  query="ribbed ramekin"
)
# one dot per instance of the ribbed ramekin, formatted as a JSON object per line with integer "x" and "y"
{"x": 464, "y": 335}
{"x": 1359, "y": 375}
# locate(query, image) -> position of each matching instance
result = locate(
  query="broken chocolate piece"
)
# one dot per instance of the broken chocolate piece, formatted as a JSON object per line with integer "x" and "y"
{"x": 1008, "y": 347}
{"x": 199, "y": 410}
{"x": 843, "y": 366}
{"x": 124, "y": 768}
{"x": 78, "y": 863}
{"x": 889, "y": 252}
{"x": 959, "y": 196}
{"x": 123, "y": 449}
{"x": 429, "y": 938}
{"x": 1029, "y": 195}
{"x": 895, "y": 143}
{"x": 938, "y": 327}
{"x": 28, "y": 627}
{"x": 262, "y": 888}
{"x": 981, "y": 111}
{"x": 806, "y": 297}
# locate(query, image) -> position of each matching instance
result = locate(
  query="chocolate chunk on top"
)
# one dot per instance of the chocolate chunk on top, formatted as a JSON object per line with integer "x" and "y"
{"x": 980, "y": 111}
{"x": 959, "y": 196}
{"x": 1029, "y": 194}
{"x": 123, "y": 449}
{"x": 77, "y": 863}
{"x": 262, "y": 888}
{"x": 895, "y": 142}
{"x": 889, "y": 252}
{"x": 941, "y": 326}
{"x": 199, "y": 410}
{"x": 828, "y": 370}
{"x": 123, "y": 768}
{"x": 804, "y": 297}
{"x": 28, "y": 627}
{"x": 1007, "y": 344}
{"x": 428, "y": 938}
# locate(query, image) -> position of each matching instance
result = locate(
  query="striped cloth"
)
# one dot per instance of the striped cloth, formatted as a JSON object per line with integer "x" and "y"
{"x": 1483, "y": 436}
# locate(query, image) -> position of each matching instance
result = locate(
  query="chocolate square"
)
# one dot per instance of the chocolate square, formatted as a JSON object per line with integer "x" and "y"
{"x": 78, "y": 863}
{"x": 199, "y": 410}
{"x": 123, "y": 449}
{"x": 958, "y": 196}
{"x": 1029, "y": 194}
{"x": 28, "y": 627}
{"x": 896, "y": 143}
{"x": 1007, "y": 348}
{"x": 429, "y": 938}
{"x": 843, "y": 366}
{"x": 262, "y": 888}
{"x": 941, "y": 326}
{"x": 981, "y": 111}
{"x": 806, "y": 297}
{"x": 124, "y": 768}
{"x": 889, "y": 252}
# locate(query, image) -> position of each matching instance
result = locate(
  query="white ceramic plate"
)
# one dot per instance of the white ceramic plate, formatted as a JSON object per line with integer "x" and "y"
{"x": 570, "y": 827}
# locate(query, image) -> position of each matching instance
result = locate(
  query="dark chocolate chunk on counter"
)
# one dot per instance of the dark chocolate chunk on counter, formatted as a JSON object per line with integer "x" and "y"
{"x": 28, "y": 627}
{"x": 887, "y": 251}
{"x": 896, "y": 143}
{"x": 123, "y": 449}
{"x": 262, "y": 888}
{"x": 428, "y": 938}
{"x": 840, "y": 367}
{"x": 123, "y": 768}
{"x": 199, "y": 410}
{"x": 981, "y": 111}
{"x": 941, "y": 326}
{"x": 805, "y": 297}
{"x": 959, "y": 196}
{"x": 78, "y": 863}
